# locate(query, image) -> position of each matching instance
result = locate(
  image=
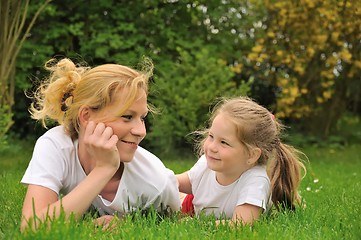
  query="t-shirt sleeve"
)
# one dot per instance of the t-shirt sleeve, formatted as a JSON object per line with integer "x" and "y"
{"x": 170, "y": 194}
{"x": 196, "y": 172}
{"x": 254, "y": 191}
{"x": 47, "y": 165}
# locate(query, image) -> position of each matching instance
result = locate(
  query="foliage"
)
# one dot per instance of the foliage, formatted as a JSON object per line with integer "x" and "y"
{"x": 310, "y": 50}
{"x": 182, "y": 38}
{"x": 229, "y": 45}
{"x": 347, "y": 132}
{"x": 185, "y": 92}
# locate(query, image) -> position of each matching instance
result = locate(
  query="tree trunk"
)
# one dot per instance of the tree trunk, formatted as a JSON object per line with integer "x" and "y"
{"x": 12, "y": 36}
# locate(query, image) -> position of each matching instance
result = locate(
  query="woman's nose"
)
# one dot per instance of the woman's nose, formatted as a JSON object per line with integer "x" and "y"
{"x": 139, "y": 128}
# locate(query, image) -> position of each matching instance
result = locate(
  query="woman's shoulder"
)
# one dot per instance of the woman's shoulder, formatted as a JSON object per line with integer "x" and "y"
{"x": 144, "y": 160}
{"x": 147, "y": 166}
{"x": 57, "y": 135}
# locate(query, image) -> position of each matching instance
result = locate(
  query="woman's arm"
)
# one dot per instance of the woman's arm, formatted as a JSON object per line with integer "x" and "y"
{"x": 184, "y": 183}
{"x": 44, "y": 202}
{"x": 100, "y": 144}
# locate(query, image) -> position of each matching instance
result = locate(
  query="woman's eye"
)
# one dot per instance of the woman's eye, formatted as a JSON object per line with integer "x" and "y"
{"x": 143, "y": 118}
{"x": 127, "y": 117}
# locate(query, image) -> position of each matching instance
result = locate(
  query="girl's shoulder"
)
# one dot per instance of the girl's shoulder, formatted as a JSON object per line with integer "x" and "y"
{"x": 256, "y": 172}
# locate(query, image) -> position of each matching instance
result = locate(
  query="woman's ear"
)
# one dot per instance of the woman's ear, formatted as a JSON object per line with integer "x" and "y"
{"x": 84, "y": 115}
{"x": 254, "y": 155}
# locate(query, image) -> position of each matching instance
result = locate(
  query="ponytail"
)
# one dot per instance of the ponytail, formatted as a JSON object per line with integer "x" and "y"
{"x": 285, "y": 175}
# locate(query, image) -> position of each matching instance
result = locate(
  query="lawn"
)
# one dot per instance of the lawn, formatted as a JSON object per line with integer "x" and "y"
{"x": 331, "y": 191}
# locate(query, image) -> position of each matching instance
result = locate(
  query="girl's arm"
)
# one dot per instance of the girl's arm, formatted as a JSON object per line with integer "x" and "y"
{"x": 184, "y": 183}
{"x": 243, "y": 214}
{"x": 246, "y": 213}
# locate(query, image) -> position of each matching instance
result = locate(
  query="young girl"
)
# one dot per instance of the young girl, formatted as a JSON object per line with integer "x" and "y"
{"x": 93, "y": 159}
{"x": 244, "y": 164}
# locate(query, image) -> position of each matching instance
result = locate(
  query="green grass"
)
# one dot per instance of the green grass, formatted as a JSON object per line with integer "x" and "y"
{"x": 331, "y": 191}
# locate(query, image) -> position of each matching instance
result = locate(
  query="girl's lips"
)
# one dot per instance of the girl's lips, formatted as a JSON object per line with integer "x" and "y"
{"x": 212, "y": 158}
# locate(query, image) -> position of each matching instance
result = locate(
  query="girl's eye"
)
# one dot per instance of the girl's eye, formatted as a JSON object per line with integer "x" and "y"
{"x": 225, "y": 143}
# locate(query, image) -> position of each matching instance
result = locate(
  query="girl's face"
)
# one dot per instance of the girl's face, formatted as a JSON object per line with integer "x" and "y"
{"x": 225, "y": 154}
{"x": 129, "y": 126}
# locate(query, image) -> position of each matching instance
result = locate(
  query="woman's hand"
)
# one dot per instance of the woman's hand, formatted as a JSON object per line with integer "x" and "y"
{"x": 101, "y": 145}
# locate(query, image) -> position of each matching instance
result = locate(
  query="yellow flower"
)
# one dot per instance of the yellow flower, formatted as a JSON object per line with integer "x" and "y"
{"x": 321, "y": 39}
{"x": 299, "y": 69}
{"x": 310, "y": 52}
{"x": 345, "y": 55}
{"x": 252, "y": 56}
{"x": 257, "y": 49}
{"x": 334, "y": 36}
{"x": 294, "y": 91}
{"x": 280, "y": 114}
{"x": 310, "y": 3}
{"x": 283, "y": 81}
{"x": 357, "y": 63}
{"x": 327, "y": 94}
{"x": 237, "y": 68}
{"x": 271, "y": 34}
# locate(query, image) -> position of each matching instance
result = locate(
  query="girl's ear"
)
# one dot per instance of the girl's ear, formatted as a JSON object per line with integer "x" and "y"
{"x": 84, "y": 115}
{"x": 254, "y": 155}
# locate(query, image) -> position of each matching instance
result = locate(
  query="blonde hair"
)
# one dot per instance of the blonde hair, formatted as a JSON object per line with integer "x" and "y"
{"x": 257, "y": 127}
{"x": 70, "y": 87}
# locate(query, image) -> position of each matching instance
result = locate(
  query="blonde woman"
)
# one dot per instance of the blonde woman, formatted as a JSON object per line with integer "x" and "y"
{"x": 93, "y": 160}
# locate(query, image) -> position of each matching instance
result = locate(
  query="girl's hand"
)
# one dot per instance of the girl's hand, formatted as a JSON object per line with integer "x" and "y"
{"x": 106, "y": 222}
{"x": 101, "y": 144}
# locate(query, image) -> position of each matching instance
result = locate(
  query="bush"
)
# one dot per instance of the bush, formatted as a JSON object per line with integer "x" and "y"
{"x": 185, "y": 92}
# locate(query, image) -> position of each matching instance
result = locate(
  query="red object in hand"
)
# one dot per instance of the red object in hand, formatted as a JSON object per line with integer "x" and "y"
{"x": 187, "y": 205}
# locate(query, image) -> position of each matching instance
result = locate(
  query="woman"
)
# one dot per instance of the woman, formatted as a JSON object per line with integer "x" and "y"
{"x": 93, "y": 158}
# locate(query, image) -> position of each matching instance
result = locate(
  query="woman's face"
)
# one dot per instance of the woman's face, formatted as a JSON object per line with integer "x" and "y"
{"x": 129, "y": 126}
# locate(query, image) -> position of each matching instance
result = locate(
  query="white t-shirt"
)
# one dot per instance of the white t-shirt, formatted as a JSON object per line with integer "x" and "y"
{"x": 145, "y": 181}
{"x": 210, "y": 197}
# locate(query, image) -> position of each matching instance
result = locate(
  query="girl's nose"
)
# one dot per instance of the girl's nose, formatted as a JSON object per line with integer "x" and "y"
{"x": 212, "y": 146}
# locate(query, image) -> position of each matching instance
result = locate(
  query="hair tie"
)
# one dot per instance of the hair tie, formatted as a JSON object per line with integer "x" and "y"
{"x": 273, "y": 117}
{"x": 64, "y": 107}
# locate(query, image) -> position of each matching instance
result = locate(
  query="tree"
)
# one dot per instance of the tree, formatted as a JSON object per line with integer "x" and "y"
{"x": 311, "y": 51}
{"x": 191, "y": 44}
{"x": 13, "y": 29}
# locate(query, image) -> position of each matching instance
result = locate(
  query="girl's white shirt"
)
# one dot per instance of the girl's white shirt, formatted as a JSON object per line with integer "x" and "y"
{"x": 145, "y": 181}
{"x": 252, "y": 187}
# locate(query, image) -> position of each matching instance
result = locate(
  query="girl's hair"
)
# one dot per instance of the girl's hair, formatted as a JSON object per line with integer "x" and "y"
{"x": 70, "y": 87}
{"x": 257, "y": 127}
